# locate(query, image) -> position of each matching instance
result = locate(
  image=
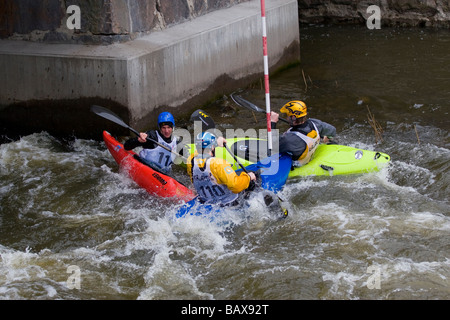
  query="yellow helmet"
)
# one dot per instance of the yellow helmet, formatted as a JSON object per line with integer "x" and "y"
{"x": 295, "y": 108}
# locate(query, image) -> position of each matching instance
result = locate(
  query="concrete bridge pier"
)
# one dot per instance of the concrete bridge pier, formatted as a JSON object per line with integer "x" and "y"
{"x": 51, "y": 86}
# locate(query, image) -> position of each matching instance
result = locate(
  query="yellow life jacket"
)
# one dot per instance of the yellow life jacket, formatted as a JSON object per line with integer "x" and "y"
{"x": 215, "y": 180}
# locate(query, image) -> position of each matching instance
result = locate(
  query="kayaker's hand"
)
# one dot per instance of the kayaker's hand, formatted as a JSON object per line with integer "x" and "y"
{"x": 142, "y": 137}
{"x": 274, "y": 116}
{"x": 325, "y": 140}
{"x": 252, "y": 176}
{"x": 251, "y": 185}
{"x": 221, "y": 141}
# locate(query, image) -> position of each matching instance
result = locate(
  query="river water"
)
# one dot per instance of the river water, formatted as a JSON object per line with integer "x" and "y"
{"x": 73, "y": 227}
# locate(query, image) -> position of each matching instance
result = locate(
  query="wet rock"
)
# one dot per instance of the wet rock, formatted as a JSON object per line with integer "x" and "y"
{"x": 427, "y": 13}
{"x": 102, "y": 21}
{"x": 24, "y": 16}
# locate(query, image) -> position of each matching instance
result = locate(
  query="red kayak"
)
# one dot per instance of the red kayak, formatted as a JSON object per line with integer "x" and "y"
{"x": 155, "y": 182}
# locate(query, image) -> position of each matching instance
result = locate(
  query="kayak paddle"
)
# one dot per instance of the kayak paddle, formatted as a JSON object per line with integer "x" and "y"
{"x": 204, "y": 118}
{"x": 247, "y": 104}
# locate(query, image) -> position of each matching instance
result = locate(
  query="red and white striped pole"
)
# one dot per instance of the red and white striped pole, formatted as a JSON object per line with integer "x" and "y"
{"x": 266, "y": 75}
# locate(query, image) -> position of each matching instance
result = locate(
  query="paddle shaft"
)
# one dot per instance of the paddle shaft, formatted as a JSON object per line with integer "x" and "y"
{"x": 235, "y": 158}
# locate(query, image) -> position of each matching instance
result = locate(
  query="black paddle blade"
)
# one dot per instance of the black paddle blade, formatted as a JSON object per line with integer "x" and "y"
{"x": 206, "y": 120}
{"x": 246, "y": 104}
{"x": 251, "y": 106}
{"x": 108, "y": 114}
{"x": 111, "y": 116}
{"x": 275, "y": 205}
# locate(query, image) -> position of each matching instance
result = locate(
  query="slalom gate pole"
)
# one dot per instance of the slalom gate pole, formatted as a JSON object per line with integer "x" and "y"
{"x": 266, "y": 76}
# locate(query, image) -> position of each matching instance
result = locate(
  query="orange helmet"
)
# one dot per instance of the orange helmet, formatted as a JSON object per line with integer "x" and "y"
{"x": 295, "y": 108}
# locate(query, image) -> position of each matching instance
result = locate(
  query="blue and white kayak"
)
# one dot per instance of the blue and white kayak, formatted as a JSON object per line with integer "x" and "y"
{"x": 272, "y": 203}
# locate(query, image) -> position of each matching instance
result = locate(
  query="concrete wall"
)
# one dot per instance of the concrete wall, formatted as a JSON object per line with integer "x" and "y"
{"x": 51, "y": 86}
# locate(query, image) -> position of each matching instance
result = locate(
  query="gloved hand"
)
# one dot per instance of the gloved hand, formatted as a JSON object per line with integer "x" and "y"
{"x": 251, "y": 186}
{"x": 255, "y": 177}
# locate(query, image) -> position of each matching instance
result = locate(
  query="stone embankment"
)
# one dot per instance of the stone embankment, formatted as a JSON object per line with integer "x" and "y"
{"x": 102, "y": 21}
{"x": 404, "y": 13}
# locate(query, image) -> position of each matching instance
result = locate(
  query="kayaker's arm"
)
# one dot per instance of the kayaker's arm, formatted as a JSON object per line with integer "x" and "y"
{"x": 132, "y": 143}
{"x": 181, "y": 146}
{"x": 273, "y": 119}
{"x": 325, "y": 129}
{"x": 189, "y": 163}
{"x": 225, "y": 174}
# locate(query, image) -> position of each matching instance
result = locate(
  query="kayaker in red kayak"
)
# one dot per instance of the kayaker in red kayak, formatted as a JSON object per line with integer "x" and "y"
{"x": 302, "y": 139}
{"x": 152, "y": 152}
{"x": 214, "y": 179}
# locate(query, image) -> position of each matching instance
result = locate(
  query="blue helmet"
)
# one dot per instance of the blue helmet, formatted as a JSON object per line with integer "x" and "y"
{"x": 205, "y": 140}
{"x": 166, "y": 118}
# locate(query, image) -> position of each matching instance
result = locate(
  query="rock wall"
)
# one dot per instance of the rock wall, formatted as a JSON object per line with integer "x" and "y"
{"x": 102, "y": 21}
{"x": 422, "y": 13}
{"x": 108, "y": 21}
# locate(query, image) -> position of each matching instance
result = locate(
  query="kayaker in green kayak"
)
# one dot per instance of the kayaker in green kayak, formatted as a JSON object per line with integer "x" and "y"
{"x": 302, "y": 139}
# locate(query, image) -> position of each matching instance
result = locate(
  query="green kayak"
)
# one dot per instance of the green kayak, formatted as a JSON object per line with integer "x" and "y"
{"x": 328, "y": 160}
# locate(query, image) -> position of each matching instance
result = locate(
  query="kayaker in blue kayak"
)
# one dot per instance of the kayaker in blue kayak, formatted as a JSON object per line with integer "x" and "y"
{"x": 214, "y": 179}
{"x": 302, "y": 139}
{"x": 153, "y": 153}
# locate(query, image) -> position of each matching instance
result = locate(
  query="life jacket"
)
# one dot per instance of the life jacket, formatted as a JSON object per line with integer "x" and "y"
{"x": 209, "y": 191}
{"x": 312, "y": 140}
{"x": 160, "y": 156}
